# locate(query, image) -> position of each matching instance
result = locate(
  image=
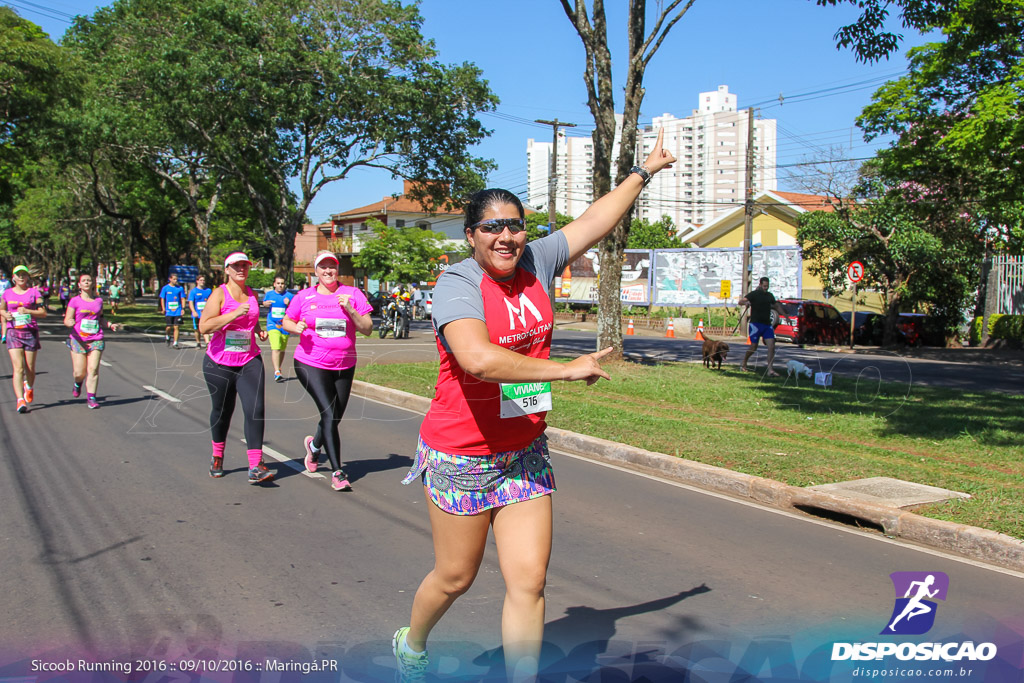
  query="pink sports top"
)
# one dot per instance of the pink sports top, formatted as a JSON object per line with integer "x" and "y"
{"x": 29, "y": 299}
{"x": 329, "y": 340}
{"x": 88, "y": 319}
{"x": 235, "y": 343}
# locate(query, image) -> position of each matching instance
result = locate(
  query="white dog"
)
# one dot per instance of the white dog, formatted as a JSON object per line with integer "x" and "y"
{"x": 795, "y": 367}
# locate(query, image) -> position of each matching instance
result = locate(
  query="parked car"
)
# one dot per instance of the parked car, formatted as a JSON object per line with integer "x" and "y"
{"x": 868, "y": 327}
{"x": 428, "y": 303}
{"x": 917, "y": 329}
{"x": 378, "y": 300}
{"x": 811, "y": 322}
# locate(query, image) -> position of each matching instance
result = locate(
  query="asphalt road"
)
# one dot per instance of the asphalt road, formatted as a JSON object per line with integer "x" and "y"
{"x": 119, "y": 546}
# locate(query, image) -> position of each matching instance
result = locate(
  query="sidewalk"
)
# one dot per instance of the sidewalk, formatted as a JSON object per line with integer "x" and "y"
{"x": 968, "y": 541}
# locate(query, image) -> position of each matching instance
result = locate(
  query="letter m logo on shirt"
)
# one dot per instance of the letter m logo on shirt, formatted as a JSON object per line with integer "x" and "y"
{"x": 520, "y": 312}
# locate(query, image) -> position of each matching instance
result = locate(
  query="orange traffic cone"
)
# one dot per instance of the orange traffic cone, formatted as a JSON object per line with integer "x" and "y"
{"x": 671, "y": 331}
{"x": 700, "y": 331}
{"x": 629, "y": 328}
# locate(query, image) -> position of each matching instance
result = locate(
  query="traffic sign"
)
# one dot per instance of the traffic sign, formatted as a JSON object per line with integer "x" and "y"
{"x": 855, "y": 271}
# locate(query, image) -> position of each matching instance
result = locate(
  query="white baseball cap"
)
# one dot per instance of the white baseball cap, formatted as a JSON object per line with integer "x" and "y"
{"x": 324, "y": 257}
{"x": 236, "y": 257}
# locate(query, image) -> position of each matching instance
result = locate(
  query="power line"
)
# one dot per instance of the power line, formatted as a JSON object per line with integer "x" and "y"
{"x": 42, "y": 11}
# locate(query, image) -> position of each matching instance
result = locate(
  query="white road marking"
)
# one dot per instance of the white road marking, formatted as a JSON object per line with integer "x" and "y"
{"x": 290, "y": 462}
{"x": 161, "y": 394}
{"x": 105, "y": 363}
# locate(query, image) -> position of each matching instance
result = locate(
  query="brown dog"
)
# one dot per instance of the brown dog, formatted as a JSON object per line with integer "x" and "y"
{"x": 714, "y": 350}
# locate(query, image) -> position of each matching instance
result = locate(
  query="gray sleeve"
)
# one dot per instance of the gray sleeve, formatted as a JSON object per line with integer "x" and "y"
{"x": 456, "y": 296}
{"x": 547, "y": 257}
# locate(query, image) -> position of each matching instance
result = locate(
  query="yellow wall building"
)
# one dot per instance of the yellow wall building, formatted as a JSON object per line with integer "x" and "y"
{"x": 775, "y": 220}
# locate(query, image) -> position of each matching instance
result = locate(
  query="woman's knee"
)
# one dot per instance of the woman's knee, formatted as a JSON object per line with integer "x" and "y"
{"x": 528, "y": 582}
{"x": 455, "y": 581}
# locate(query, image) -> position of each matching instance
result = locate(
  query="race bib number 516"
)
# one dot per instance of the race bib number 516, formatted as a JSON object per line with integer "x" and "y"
{"x": 525, "y": 398}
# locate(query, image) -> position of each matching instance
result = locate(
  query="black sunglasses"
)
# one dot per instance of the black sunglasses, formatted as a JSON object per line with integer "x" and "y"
{"x": 496, "y": 226}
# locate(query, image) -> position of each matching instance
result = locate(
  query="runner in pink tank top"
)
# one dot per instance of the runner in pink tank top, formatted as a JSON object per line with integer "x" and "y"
{"x": 235, "y": 343}
{"x": 85, "y": 318}
{"x": 233, "y": 366}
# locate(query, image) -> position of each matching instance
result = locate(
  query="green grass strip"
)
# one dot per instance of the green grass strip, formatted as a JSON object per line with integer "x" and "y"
{"x": 801, "y": 435}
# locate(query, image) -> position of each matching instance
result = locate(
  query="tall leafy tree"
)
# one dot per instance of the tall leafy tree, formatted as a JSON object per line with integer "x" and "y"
{"x": 956, "y": 169}
{"x": 399, "y": 254}
{"x": 36, "y": 78}
{"x": 287, "y": 96}
{"x": 660, "y": 234}
{"x": 959, "y": 120}
{"x": 33, "y": 79}
{"x": 537, "y": 224}
{"x": 904, "y": 259}
{"x": 597, "y": 75}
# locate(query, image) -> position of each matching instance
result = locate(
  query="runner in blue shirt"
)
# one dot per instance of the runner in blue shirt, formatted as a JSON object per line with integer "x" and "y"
{"x": 277, "y": 301}
{"x": 172, "y": 303}
{"x": 196, "y": 303}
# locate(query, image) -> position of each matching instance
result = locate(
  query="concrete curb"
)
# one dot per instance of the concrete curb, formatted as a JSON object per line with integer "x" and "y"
{"x": 969, "y": 541}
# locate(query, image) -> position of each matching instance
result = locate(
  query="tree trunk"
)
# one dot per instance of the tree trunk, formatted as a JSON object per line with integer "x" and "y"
{"x": 597, "y": 76}
{"x": 609, "y": 303}
{"x": 284, "y": 251}
{"x": 892, "y": 317}
{"x": 128, "y": 265}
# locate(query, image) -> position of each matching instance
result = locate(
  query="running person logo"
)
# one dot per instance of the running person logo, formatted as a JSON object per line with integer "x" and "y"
{"x": 916, "y": 592}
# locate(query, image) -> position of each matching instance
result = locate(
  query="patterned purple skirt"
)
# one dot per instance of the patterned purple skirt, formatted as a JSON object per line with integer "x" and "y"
{"x": 471, "y": 484}
{"x": 23, "y": 339}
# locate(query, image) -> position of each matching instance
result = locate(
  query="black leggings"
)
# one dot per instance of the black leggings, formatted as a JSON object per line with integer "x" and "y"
{"x": 330, "y": 390}
{"x": 225, "y": 382}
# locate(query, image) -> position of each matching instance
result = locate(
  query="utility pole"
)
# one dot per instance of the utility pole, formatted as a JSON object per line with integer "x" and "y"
{"x": 553, "y": 173}
{"x": 748, "y": 214}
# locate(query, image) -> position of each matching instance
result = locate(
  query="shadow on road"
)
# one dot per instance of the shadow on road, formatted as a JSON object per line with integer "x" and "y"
{"x": 576, "y": 644}
{"x": 357, "y": 469}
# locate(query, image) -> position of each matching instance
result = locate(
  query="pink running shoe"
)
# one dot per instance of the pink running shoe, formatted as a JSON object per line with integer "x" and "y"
{"x": 311, "y": 460}
{"x": 92, "y": 403}
{"x": 339, "y": 481}
{"x": 76, "y": 389}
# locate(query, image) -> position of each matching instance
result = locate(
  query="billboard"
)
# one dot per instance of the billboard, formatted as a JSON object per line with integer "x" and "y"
{"x": 185, "y": 273}
{"x": 579, "y": 281}
{"x": 695, "y": 277}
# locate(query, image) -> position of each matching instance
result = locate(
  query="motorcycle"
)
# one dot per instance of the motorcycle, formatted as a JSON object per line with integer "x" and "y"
{"x": 395, "y": 320}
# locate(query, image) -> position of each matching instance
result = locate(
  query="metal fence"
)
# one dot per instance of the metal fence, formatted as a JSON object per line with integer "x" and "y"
{"x": 1010, "y": 284}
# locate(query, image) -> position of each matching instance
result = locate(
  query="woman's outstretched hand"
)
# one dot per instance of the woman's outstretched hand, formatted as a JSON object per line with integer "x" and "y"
{"x": 587, "y": 367}
{"x": 659, "y": 158}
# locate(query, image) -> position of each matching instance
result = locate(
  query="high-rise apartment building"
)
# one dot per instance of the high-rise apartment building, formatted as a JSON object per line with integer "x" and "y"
{"x": 708, "y": 177}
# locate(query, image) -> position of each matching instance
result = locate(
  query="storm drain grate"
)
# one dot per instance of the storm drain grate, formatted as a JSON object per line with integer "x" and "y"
{"x": 888, "y": 491}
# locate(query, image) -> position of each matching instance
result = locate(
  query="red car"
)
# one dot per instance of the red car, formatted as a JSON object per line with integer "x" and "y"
{"x": 811, "y": 322}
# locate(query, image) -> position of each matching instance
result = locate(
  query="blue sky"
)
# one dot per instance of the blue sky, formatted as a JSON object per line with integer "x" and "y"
{"x": 533, "y": 59}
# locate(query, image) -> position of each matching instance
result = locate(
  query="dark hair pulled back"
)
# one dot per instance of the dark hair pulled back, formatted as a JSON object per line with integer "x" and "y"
{"x": 484, "y": 199}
